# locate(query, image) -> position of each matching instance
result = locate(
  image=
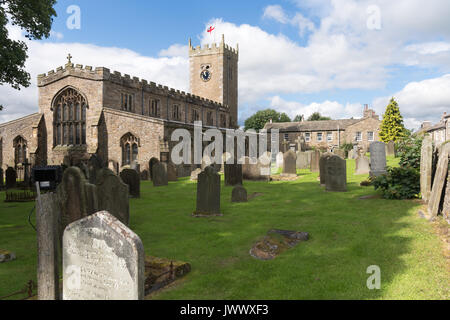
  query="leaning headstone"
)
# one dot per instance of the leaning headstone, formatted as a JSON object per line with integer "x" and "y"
{"x": 195, "y": 173}
{"x": 160, "y": 177}
{"x": 133, "y": 180}
{"x": 323, "y": 167}
{"x": 315, "y": 158}
{"x": 48, "y": 247}
{"x": 390, "y": 148}
{"x": 290, "y": 164}
{"x": 239, "y": 194}
{"x": 77, "y": 198}
{"x": 280, "y": 160}
{"x": 1, "y": 178}
{"x": 233, "y": 174}
{"x": 11, "y": 178}
{"x": 440, "y": 179}
{"x": 102, "y": 260}
{"x": 362, "y": 165}
{"x": 303, "y": 160}
{"x": 377, "y": 158}
{"x": 94, "y": 165}
{"x": 171, "y": 172}
{"x": 446, "y": 207}
{"x": 336, "y": 179}
{"x": 426, "y": 167}
{"x": 208, "y": 193}
{"x": 113, "y": 196}
{"x": 151, "y": 163}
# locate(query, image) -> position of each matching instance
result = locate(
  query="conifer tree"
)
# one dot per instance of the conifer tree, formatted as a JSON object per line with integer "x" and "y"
{"x": 392, "y": 128}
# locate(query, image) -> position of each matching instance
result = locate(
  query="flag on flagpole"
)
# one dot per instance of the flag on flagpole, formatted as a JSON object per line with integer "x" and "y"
{"x": 211, "y": 31}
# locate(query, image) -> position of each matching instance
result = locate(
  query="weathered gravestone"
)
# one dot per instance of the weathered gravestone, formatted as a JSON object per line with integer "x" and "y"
{"x": 280, "y": 160}
{"x": 339, "y": 152}
{"x": 323, "y": 167}
{"x": 160, "y": 177}
{"x": 259, "y": 171}
{"x": 206, "y": 161}
{"x": 208, "y": 193}
{"x": 303, "y": 160}
{"x": 233, "y": 174}
{"x": 446, "y": 207}
{"x": 136, "y": 167}
{"x": 290, "y": 164}
{"x": 195, "y": 173}
{"x": 11, "y": 178}
{"x": 377, "y": 158}
{"x": 336, "y": 179}
{"x": 362, "y": 165}
{"x": 1, "y": 178}
{"x": 171, "y": 172}
{"x": 390, "y": 148}
{"x": 315, "y": 158}
{"x": 151, "y": 163}
{"x": 102, "y": 260}
{"x": 133, "y": 180}
{"x": 440, "y": 179}
{"x": 77, "y": 198}
{"x": 94, "y": 165}
{"x": 426, "y": 167}
{"x": 239, "y": 194}
{"x": 112, "y": 195}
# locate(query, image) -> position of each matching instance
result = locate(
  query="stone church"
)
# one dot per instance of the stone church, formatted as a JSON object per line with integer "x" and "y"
{"x": 85, "y": 111}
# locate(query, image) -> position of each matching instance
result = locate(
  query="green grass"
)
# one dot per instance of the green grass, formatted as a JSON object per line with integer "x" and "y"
{"x": 347, "y": 236}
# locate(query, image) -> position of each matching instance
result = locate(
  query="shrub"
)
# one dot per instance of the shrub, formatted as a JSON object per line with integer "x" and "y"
{"x": 399, "y": 183}
{"x": 409, "y": 151}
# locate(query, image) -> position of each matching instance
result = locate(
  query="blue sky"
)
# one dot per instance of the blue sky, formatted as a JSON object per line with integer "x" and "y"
{"x": 297, "y": 56}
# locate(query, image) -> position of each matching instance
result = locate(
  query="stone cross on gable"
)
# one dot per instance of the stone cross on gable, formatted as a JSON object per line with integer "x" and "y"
{"x": 69, "y": 57}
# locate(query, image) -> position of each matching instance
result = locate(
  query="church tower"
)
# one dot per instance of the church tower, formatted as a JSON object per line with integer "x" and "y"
{"x": 214, "y": 74}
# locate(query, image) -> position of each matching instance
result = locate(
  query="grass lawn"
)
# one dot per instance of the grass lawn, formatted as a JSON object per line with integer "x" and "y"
{"x": 347, "y": 236}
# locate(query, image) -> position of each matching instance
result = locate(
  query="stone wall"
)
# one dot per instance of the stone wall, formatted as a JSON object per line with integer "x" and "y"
{"x": 363, "y": 126}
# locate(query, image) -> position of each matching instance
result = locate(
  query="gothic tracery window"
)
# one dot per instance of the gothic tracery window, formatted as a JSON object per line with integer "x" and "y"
{"x": 20, "y": 150}
{"x": 130, "y": 148}
{"x": 69, "y": 118}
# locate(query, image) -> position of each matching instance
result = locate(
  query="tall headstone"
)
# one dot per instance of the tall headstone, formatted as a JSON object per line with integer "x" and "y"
{"x": 280, "y": 160}
{"x": 208, "y": 193}
{"x": 377, "y": 158}
{"x": 10, "y": 178}
{"x": 1, "y": 178}
{"x": 94, "y": 165}
{"x": 160, "y": 177}
{"x": 47, "y": 229}
{"x": 446, "y": 207}
{"x": 426, "y": 167}
{"x": 102, "y": 260}
{"x": 195, "y": 173}
{"x": 151, "y": 163}
{"x": 133, "y": 180}
{"x": 171, "y": 172}
{"x": 315, "y": 158}
{"x": 77, "y": 197}
{"x": 440, "y": 179}
{"x": 336, "y": 179}
{"x": 239, "y": 194}
{"x": 303, "y": 160}
{"x": 362, "y": 165}
{"x": 113, "y": 196}
{"x": 233, "y": 174}
{"x": 390, "y": 148}
{"x": 323, "y": 167}
{"x": 290, "y": 163}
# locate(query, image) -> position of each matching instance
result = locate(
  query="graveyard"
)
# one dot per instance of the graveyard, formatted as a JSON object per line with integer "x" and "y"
{"x": 348, "y": 231}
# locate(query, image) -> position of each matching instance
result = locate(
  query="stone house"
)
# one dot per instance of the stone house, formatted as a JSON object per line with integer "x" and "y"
{"x": 329, "y": 133}
{"x": 84, "y": 111}
{"x": 439, "y": 132}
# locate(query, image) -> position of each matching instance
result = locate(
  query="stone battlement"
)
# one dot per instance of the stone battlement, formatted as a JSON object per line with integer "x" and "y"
{"x": 104, "y": 74}
{"x": 213, "y": 49}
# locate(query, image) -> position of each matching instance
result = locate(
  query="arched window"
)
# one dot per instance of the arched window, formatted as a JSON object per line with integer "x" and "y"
{"x": 130, "y": 148}
{"x": 69, "y": 118}
{"x": 20, "y": 150}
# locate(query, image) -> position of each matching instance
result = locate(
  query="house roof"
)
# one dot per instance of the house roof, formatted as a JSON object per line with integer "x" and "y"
{"x": 324, "y": 125}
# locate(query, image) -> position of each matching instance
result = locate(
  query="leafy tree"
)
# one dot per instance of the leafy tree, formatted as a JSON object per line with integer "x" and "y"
{"x": 392, "y": 128}
{"x": 260, "y": 118}
{"x": 316, "y": 116}
{"x": 35, "y": 17}
{"x": 298, "y": 118}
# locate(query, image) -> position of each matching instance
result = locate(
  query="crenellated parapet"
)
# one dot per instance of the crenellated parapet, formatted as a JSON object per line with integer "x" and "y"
{"x": 125, "y": 80}
{"x": 214, "y": 49}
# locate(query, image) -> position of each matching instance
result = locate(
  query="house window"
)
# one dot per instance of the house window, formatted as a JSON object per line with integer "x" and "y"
{"x": 329, "y": 136}
{"x": 320, "y": 137}
{"x": 69, "y": 119}
{"x": 195, "y": 115}
{"x": 176, "y": 115}
{"x": 308, "y": 137}
{"x": 358, "y": 136}
{"x": 370, "y": 136}
{"x": 286, "y": 136}
{"x": 127, "y": 102}
{"x": 209, "y": 118}
{"x": 154, "y": 110}
{"x": 130, "y": 148}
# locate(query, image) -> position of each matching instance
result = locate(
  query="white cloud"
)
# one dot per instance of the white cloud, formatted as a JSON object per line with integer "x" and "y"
{"x": 275, "y": 12}
{"x": 56, "y": 35}
{"x": 176, "y": 50}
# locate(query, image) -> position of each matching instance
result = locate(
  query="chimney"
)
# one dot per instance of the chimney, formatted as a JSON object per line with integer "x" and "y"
{"x": 270, "y": 121}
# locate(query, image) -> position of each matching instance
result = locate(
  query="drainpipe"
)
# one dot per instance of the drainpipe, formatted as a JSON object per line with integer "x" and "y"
{"x": 339, "y": 137}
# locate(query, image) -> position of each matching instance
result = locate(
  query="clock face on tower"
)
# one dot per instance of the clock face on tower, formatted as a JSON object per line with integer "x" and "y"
{"x": 205, "y": 75}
